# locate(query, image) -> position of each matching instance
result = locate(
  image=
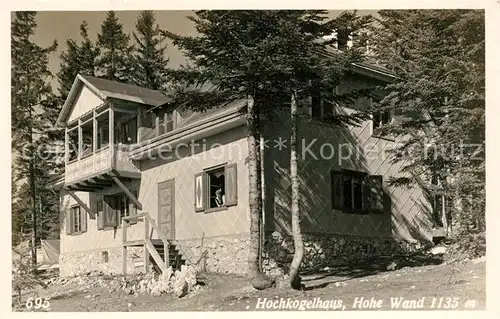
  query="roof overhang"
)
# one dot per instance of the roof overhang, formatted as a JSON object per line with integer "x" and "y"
{"x": 373, "y": 72}
{"x": 72, "y": 96}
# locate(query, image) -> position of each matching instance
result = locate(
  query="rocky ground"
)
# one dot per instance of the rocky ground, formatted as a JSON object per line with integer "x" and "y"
{"x": 384, "y": 286}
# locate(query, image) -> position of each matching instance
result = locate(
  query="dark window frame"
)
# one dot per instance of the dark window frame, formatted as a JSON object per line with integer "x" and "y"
{"x": 121, "y": 205}
{"x": 230, "y": 196}
{"x": 211, "y": 190}
{"x": 322, "y": 110}
{"x": 165, "y": 122}
{"x": 353, "y": 201}
{"x": 379, "y": 119}
{"x": 76, "y": 225}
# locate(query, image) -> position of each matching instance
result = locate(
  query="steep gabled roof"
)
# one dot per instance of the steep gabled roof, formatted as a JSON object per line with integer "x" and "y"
{"x": 105, "y": 89}
{"x": 127, "y": 92}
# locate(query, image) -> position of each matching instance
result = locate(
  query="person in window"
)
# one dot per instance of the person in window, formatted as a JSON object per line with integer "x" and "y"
{"x": 220, "y": 199}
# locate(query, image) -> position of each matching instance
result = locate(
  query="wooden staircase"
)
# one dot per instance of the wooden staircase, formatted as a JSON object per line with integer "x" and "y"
{"x": 174, "y": 256}
{"x": 159, "y": 252}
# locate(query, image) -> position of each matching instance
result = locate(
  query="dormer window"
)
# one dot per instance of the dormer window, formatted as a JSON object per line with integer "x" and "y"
{"x": 165, "y": 120}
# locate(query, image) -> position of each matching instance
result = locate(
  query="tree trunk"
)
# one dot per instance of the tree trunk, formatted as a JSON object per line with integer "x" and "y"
{"x": 295, "y": 280}
{"x": 33, "y": 195}
{"x": 258, "y": 154}
{"x": 257, "y": 279}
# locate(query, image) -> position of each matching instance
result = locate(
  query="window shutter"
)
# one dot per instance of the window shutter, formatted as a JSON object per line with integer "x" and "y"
{"x": 93, "y": 198}
{"x": 199, "y": 192}
{"x": 100, "y": 214}
{"x": 377, "y": 194}
{"x": 69, "y": 222}
{"x": 336, "y": 190}
{"x": 109, "y": 212}
{"x": 132, "y": 210}
{"x": 231, "y": 184}
{"x": 83, "y": 220}
{"x": 367, "y": 195}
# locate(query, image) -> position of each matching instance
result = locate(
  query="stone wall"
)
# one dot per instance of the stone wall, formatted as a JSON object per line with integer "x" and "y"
{"x": 321, "y": 250}
{"x": 107, "y": 261}
{"x": 228, "y": 254}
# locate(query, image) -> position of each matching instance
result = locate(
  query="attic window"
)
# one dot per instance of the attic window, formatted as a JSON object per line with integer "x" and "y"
{"x": 165, "y": 122}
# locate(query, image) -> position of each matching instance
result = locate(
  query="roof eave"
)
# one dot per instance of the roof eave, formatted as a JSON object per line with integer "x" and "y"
{"x": 73, "y": 92}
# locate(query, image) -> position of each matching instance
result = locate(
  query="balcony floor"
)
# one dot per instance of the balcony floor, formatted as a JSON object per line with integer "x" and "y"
{"x": 101, "y": 181}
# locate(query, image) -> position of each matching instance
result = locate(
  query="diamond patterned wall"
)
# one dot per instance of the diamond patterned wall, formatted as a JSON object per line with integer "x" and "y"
{"x": 228, "y": 147}
{"x": 322, "y": 148}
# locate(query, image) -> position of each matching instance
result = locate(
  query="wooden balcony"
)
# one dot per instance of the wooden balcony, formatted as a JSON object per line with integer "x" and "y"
{"x": 100, "y": 163}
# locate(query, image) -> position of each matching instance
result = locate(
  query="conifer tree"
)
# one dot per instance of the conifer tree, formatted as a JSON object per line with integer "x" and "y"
{"x": 32, "y": 103}
{"x": 114, "y": 63}
{"x": 149, "y": 61}
{"x": 438, "y": 99}
{"x": 263, "y": 57}
{"x": 78, "y": 58}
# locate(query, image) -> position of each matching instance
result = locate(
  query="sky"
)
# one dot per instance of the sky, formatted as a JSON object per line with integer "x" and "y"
{"x": 63, "y": 25}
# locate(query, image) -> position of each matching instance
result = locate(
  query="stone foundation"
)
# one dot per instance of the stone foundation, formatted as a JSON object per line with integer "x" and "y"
{"x": 328, "y": 250}
{"x": 228, "y": 254}
{"x": 108, "y": 261}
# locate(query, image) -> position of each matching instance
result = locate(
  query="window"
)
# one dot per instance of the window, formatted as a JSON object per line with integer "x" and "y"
{"x": 76, "y": 222}
{"x": 322, "y": 108}
{"x": 169, "y": 121}
{"x": 216, "y": 188}
{"x": 357, "y": 192}
{"x": 75, "y": 214}
{"x": 149, "y": 119}
{"x": 165, "y": 122}
{"x": 126, "y": 132}
{"x": 87, "y": 139}
{"x": 102, "y": 135}
{"x": 73, "y": 144}
{"x": 125, "y": 206}
{"x": 111, "y": 210}
{"x": 437, "y": 205}
{"x": 380, "y": 118}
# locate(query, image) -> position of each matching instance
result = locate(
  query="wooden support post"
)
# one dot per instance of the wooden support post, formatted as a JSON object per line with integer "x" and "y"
{"x": 127, "y": 192}
{"x": 80, "y": 139}
{"x": 157, "y": 125}
{"x": 94, "y": 132}
{"x": 81, "y": 203}
{"x": 146, "y": 237}
{"x": 112, "y": 135}
{"x": 66, "y": 146}
{"x": 139, "y": 124}
{"x": 124, "y": 243}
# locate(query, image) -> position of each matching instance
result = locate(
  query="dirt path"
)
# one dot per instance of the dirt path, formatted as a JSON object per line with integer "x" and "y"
{"x": 429, "y": 287}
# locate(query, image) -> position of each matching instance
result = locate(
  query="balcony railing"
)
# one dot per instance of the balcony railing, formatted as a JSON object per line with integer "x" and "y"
{"x": 100, "y": 162}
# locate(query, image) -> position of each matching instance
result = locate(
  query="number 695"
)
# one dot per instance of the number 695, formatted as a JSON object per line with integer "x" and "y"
{"x": 37, "y": 303}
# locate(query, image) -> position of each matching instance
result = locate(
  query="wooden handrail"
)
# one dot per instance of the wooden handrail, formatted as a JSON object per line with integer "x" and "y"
{"x": 147, "y": 240}
{"x": 136, "y": 216}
